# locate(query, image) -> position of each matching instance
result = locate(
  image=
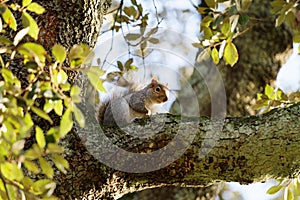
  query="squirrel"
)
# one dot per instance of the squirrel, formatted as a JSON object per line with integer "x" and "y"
{"x": 136, "y": 104}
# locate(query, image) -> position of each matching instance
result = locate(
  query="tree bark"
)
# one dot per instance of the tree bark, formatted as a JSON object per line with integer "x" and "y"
{"x": 247, "y": 149}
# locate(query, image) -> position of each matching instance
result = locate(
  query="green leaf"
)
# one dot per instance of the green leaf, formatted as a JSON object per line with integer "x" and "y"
{"x": 28, "y": 21}
{"x": 246, "y": 4}
{"x": 231, "y": 55}
{"x": 41, "y": 113}
{"x": 132, "y": 36}
{"x": 288, "y": 194}
{"x": 4, "y": 40}
{"x": 26, "y": 2}
{"x": 40, "y": 138}
{"x": 226, "y": 26}
{"x": 49, "y": 105}
{"x": 269, "y": 91}
{"x": 9, "y": 18}
{"x": 42, "y": 186}
{"x": 75, "y": 94}
{"x": 54, "y": 148}
{"x": 207, "y": 32}
{"x": 296, "y": 38}
{"x": 62, "y": 77}
{"x": 46, "y": 167}
{"x": 96, "y": 81}
{"x": 33, "y": 153}
{"x": 244, "y": 19}
{"x": 58, "y": 107}
{"x": 79, "y": 116}
{"x": 31, "y": 49}
{"x": 60, "y": 162}
{"x": 66, "y": 123}
{"x": 280, "y": 19}
{"x": 274, "y": 189}
{"x": 35, "y": 7}
{"x": 31, "y": 166}
{"x": 215, "y": 56}
{"x": 211, "y": 3}
{"x": 59, "y": 52}
{"x": 120, "y": 65}
{"x": 11, "y": 171}
{"x": 277, "y": 5}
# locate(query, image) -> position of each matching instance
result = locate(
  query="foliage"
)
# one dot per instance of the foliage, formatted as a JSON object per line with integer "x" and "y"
{"x": 221, "y": 27}
{"x": 47, "y": 95}
{"x": 274, "y": 98}
{"x": 290, "y": 188}
{"x": 135, "y": 16}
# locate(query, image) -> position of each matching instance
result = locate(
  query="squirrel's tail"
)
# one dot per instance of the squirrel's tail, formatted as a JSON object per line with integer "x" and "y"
{"x": 101, "y": 112}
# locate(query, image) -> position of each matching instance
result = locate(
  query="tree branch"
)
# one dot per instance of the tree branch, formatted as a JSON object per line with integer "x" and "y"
{"x": 247, "y": 149}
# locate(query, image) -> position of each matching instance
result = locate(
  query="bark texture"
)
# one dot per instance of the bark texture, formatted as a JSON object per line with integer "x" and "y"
{"x": 246, "y": 150}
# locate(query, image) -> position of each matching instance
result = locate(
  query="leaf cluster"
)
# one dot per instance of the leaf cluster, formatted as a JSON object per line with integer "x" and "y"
{"x": 274, "y": 98}
{"x": 47, "y": 94}
{"x": 290, "y": 188}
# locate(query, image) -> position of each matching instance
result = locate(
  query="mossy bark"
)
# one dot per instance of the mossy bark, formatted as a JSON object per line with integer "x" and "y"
{"x": 246, "y": 150}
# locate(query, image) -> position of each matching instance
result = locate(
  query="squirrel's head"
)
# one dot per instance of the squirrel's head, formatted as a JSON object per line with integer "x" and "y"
{"x": 159, "y": 92}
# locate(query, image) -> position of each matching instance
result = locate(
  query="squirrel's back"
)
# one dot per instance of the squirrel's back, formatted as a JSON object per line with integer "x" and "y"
{"x": 138, "y": 104}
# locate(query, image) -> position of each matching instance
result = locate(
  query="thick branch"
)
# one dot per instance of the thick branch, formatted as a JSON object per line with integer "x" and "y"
{"x": 247, "y": 149}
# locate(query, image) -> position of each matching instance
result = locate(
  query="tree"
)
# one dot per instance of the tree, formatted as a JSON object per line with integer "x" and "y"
{"x": 206, "y": 149}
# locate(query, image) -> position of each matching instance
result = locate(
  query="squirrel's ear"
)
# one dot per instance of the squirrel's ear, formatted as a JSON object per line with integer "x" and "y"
{"x": 154, "y": 80}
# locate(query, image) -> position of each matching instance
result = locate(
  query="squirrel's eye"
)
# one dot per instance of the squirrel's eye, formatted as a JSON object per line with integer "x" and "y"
{"x": 157, "y": 89}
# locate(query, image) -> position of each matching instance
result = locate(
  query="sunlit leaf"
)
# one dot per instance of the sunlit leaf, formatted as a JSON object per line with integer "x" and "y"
{"x": 28, "y": 21}
{"x": 11, "y": 171}
{"x": 9, "y": 18}
{"x": 26, "y": 2}
{"x": 280, "y": 19}
{"x": 96, "y": 81}
{"x": 58, "y": 107}
{"x": 40, "y": 138}
{"x": 226, "y": 26}
{"x": 66, "y": 123}
{"x": 269, "y": 91}
{"x": 35, "y": 7}
{"x": 288, "y": 194}
{"x": 60, "y": 162}
{"x": 46, "y": 167}
{"x": 20, "y": 36}
{"x": 274, "y": 189}
{"x": 31, "y": 166}
{"x": 231, "y": 55}
{"x": 215, "y": 55}
{"x": 54, "y": 148}
{"x": 59, "y": 52}
{"x": 211, "y": 3}
{"x": 41, "y": 113}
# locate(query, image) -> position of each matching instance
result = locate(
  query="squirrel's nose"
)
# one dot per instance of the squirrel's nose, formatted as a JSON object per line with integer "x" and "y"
{"x": 165, "y": 99}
